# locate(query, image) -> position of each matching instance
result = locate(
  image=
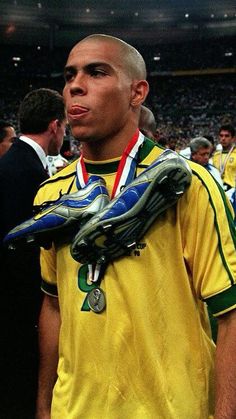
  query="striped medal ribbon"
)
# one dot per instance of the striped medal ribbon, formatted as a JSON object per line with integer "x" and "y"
{"x": 222, "y": 163}
{"x": 125, "y": 174}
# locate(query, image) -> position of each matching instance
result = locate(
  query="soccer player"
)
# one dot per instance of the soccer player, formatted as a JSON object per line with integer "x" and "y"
{"x": 225, "y": 160}
{"x": 134, "y": 341}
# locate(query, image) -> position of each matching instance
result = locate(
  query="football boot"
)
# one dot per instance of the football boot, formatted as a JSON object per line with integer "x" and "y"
{"x": 62, "y": 216}
{"x": 116, "y": 229}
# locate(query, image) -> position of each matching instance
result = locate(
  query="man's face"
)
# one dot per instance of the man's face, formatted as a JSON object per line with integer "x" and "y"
{"x": 97, "y": 91}
{"x": 226, "y": 139}
{"x": 7, "y": 141}
{"x": 202, "y": 155}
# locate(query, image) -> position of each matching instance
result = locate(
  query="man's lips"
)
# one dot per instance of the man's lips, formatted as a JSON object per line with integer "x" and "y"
{"x": 77, "y": 110}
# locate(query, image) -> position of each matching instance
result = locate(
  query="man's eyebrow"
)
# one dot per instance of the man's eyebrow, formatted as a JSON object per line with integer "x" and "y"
{"x": 87, "y": 67}
{"x": 98, "y": 63}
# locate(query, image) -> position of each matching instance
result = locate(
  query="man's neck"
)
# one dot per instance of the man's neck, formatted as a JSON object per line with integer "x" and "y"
{"x": 106, "y": 148}
{"x": 227, "y": 148}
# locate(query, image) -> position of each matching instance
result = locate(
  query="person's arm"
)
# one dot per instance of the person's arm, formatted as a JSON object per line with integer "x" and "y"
{"x": 226, "y": 367}
{"x": 49, "y": 326}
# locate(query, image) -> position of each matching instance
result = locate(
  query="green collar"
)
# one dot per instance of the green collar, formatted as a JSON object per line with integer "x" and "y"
{"x": 111, "y": 167}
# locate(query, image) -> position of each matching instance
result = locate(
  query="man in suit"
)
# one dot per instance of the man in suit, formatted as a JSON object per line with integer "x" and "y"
{"x": 42, "y": 123}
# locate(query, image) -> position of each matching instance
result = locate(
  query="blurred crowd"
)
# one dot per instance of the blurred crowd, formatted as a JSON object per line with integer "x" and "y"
{"x": 189, "y": 98}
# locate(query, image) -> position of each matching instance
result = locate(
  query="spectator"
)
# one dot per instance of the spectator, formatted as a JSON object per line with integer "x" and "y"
{"x": 7, "y": 136}
{"x": 200, "y": 153}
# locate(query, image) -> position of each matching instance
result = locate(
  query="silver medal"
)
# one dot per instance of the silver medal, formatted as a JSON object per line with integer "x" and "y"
{"x": 96, "y": 300}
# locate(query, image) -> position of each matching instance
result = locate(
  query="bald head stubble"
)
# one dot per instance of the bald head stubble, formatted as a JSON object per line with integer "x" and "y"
{"x": 133, "y": 61}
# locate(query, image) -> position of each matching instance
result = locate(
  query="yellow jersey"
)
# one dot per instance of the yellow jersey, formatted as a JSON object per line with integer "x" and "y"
{"x": 225, "y": 162}
{"x": 149, "y": 355}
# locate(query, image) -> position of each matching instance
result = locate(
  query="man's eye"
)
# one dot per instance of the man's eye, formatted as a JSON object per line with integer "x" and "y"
{"x": 97, "y": 72}
{"x": 68, "y": 76}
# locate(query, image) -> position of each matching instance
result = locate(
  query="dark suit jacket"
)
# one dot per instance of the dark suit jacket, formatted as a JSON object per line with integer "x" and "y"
{"x": 21, "y": 172}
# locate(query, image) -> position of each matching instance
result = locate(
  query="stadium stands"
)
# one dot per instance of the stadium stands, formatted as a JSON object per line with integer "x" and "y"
{"x": 192, "y": 90}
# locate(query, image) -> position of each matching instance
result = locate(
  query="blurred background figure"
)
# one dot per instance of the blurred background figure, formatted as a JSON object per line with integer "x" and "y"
{"x": 225, "y": 160}
{"x": 172, "y": 142}
{"x": 7, "y": 136}
{"x": 231, "y": 193}
{"x": 162, "y": 140}
{"x": 55, "y": 164}
{"x": 58, "y": 162}
{"x": 147, "y": 123}
{"x": 23, "y": 168}
{"x": 201, "y": 150}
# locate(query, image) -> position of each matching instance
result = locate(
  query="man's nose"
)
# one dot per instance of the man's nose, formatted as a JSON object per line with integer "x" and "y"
{"x": 78, "y": 85}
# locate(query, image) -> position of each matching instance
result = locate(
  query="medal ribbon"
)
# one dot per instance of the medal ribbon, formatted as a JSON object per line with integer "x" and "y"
{"x": 128, "y": 163}
{"x": 223, "y": 164}
{"x": 125, "y": 174}
{"x": 126, "y": 169}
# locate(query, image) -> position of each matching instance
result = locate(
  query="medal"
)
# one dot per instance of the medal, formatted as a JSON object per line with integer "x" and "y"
{"x": 125, "y": 174}
{"x": 96, "y": 300}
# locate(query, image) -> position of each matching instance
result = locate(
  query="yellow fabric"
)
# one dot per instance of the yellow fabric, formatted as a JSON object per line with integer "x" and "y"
{"x": 149, "y": 355}
{"x": 229, "y": 174}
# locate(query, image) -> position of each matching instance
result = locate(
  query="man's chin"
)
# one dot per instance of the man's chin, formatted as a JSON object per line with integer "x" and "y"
{"x": 79, "y": 134}
{"x": 82, "y": 137}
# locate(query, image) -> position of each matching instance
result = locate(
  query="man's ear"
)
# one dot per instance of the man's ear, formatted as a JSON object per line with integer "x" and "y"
{"x": 139, "y": 92}
{"x": 53, "y": 125}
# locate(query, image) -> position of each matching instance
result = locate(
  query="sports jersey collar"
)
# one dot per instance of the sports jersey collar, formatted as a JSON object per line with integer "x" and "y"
{"x": 111, "y": 166}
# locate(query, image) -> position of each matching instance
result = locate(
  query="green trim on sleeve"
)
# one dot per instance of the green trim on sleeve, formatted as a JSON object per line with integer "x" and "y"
{"x": 49, "y": 289}
{"x": 230, "y": 220}
{"x": 223, "y": 302}
{"x": 229, "y": 215}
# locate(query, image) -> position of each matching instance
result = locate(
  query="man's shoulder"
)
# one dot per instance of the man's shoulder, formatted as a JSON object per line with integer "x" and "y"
{"x": 7, "y": 157}
{"x": 217, "y": 153}
{"x": 11, "y": 160}
{"x": 17, "y": 151}
{"x": 60, "y": 183}
{"x": 152, "y": 152}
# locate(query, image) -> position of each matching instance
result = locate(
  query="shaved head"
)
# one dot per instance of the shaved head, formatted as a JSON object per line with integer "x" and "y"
{"x": 105, "y": 86}
{"x": 133, "y": 60}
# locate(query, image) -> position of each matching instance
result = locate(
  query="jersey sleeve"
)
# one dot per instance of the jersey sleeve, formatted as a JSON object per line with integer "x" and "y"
{"x": 47, "y": 259}
{"x": 209, "y": 242}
